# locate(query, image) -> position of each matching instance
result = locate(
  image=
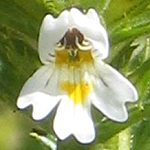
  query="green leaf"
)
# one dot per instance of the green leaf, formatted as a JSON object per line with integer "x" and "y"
{"x": 140, "y": 134}
{"x": 141, "y": 53}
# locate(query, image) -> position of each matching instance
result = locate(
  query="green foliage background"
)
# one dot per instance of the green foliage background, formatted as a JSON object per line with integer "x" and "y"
{"x": 128, "y": 25}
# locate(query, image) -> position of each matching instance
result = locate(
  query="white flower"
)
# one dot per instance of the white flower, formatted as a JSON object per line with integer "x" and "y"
{"x": 73, "y": 77}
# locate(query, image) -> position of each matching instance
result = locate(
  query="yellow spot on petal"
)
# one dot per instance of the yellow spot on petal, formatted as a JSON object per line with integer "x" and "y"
{"x": 76, "y": 59}
{"x": 77, "y": 92}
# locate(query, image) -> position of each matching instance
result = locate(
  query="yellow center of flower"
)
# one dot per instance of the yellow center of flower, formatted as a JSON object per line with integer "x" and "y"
{"x": 77, "y": 60}
{"x": 77, "y": 92}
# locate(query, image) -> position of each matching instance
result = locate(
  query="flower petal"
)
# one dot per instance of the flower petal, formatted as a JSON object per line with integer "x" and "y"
{"x": 92, "y": 14}
{"x": 112, "y": 91}
{"x": 84, "y": 129}
{"x": 92, "y": 29}
{"x": 52, "y": 30}
{"x": 38, "y": 80}
{"x": 38, "y": 92}
{"x": 43, "y": 80}
{"x": 42, "y": 104}
{"x": 64, "y": 118}
{"x": 117, "y": 82}
{"x": 109, "y": 105}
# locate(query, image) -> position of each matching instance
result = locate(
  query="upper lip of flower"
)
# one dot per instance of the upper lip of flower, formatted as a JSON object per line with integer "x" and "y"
{"x": 72, "y": 24}
{"x": 72, "y": 48}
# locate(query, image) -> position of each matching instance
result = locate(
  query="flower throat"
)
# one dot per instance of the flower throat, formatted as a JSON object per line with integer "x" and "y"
{"x": 73, "y": 49}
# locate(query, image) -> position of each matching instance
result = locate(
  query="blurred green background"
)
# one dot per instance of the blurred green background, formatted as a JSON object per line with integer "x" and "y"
{"x": 128, "y": 25}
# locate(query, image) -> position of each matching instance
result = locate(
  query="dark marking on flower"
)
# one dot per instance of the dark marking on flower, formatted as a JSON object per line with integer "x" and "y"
{"x": 51, "y": 58}
{"x": 103, "y": 81}
{"x": 51, "y": 61}
{"x": 52, "y": 55}
{"x": 47, "y": 82}
{"x": 69, "y": 39}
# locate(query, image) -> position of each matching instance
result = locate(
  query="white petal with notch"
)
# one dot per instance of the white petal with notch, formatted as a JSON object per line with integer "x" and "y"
{"x": 84, "y": 129}
{"x": 34, "y": 93}
{"x": 112, "y": 91}
{"x": 63, "y": 121}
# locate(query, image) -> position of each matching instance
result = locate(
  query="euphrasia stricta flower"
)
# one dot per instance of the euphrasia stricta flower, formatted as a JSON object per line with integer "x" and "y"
{"x": 72, "y": 48}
